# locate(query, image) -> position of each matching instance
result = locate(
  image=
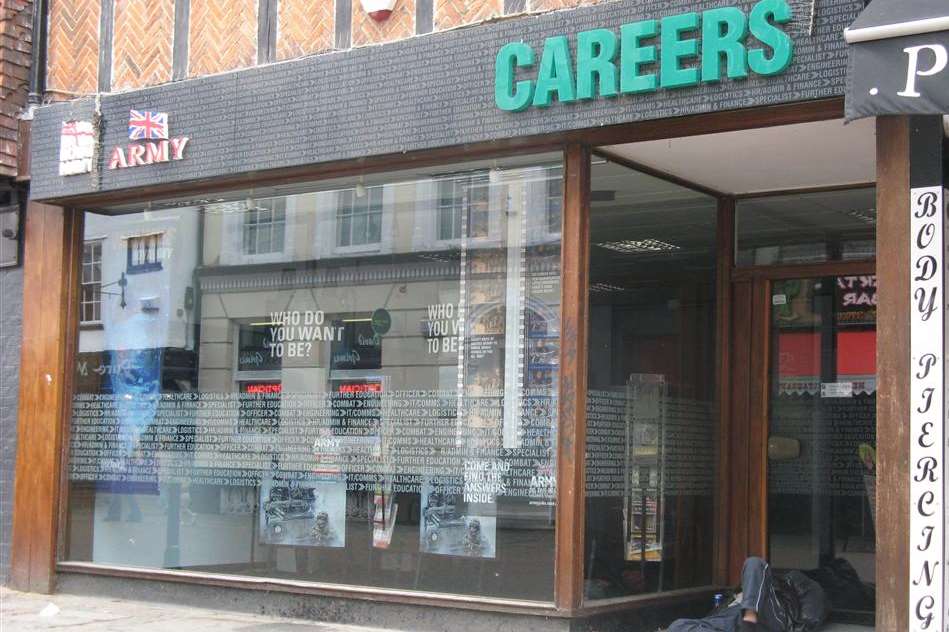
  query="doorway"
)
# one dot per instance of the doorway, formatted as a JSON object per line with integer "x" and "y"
{"x": 821, "y": 433}
{"x": 794, "y": 248}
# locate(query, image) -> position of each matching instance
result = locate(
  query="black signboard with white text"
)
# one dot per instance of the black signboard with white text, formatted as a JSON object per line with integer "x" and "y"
{"x": 906, "y": 75}
{"x": 899, "y": 59}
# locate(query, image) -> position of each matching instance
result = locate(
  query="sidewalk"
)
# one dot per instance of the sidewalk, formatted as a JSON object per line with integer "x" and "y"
{"x": 27, "y": 612}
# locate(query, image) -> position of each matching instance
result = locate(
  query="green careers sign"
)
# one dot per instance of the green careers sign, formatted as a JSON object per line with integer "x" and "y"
{"x": 608, "y": 65}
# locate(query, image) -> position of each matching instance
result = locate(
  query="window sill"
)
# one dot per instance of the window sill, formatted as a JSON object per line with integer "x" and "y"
{"x": 151, "y": 267}
{"x": 367, "y": 249}
{"x": 389, "y": 595}
{"x": 612, "y": 604}
{"x": 246, "y": 258}
{"x": 91, "y": 325}
{"x": 412, "y": 597}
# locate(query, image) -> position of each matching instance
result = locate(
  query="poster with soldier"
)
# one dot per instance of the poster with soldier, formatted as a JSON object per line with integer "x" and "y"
{"x": 452, "y": 526}
{"x": 306, "y": 512}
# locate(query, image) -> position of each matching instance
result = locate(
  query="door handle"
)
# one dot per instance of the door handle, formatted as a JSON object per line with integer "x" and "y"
{"x": 783, "y": 448}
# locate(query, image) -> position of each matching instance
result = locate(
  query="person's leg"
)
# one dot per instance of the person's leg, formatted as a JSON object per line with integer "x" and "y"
{"x": 759, "y": 602}
{"x": 724, "y": 621}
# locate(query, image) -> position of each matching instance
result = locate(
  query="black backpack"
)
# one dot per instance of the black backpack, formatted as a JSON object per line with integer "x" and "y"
{"x": 803, "y": 599}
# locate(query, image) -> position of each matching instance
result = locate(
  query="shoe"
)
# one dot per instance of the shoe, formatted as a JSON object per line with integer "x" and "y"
{"x": 748, "y": 626}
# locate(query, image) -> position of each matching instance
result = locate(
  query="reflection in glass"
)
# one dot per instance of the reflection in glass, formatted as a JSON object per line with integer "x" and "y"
{"x": 838, "y": 225}
{"x": 353, "y": 382}
{"x": 359, "y": 216}
{"x": 91, "y": 283}
{"x": 264, "y": 226}
{"x": 651, "y": 412}
{"x": 822, "y": 439}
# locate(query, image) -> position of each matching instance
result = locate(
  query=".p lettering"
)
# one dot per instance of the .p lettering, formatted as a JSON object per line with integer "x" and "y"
{"x": 913, "y": 70}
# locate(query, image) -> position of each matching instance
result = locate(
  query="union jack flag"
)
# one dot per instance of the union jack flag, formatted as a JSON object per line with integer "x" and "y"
{"x": 147, "y": 125}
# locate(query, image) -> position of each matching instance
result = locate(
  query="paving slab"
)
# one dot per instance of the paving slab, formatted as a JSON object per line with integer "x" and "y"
{"x": 29, "y": 612}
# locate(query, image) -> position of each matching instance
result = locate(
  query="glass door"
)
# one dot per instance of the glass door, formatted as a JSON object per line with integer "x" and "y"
{"x": 822, "y": 435}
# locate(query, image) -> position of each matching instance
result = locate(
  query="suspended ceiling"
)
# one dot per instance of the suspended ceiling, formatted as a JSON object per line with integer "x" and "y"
{"x": 801, "y": 156}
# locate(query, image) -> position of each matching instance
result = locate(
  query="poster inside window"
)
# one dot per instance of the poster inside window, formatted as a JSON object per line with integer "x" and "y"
{"x": 352, "y": 381}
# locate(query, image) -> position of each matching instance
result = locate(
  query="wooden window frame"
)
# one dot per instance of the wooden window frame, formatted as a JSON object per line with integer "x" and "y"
{"x": 54, "y": 242}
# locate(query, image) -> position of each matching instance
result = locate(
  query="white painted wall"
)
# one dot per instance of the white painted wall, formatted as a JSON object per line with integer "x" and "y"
{"x": 132, "y": 327}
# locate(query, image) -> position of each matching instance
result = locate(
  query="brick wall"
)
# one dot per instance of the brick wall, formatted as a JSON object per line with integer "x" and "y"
{"x": 142, "y": 42}
{"x": 16, "y": 20}
{"x": 304, "y": 27}
{"x": 11, "y": 311}
{"x": 142, "y": 47}
{"x": 451, "y": 13}
{"x": 73, "y": 53}
{"x": 399, "y": 25}
{"x": 17, "y": 17}
{"x": 223, "y": 36}
{"x": 553, "y": 5}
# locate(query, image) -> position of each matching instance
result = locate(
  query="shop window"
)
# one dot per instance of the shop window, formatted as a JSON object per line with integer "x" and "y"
{"x": 652, "y": 424}
{"x": 255, "y": 350}
{"x": 265, "y": 224}
{"x": 258, "y": 378}
{"x": 259, "y": 407}
{"x": 91, "y": 291}
{"x": 385, "y": 418}
{"x": 807, "y": 227}
{"x": 359, "y": 216}
{"x": 144, "y": 253}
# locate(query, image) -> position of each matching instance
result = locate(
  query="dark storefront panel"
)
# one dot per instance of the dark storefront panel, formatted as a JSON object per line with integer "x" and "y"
{"x": 422, "y": 93}
{"x": 899, "y": 59}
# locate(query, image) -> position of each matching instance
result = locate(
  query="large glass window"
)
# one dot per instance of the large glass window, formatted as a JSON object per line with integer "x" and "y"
{"x": 384, "y": 419}
{"x": 651, "y": 407}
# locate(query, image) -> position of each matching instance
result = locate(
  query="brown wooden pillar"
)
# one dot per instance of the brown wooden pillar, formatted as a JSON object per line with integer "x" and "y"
{"x": 568, "y": 586}
{"x": 51, "y": 266}
{"x": 742, "y": 524}
{"x": 893, "y": 311}
{"x": 743, "y": 518}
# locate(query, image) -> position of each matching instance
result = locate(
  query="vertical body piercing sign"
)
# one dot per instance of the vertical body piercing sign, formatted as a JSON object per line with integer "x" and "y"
{"x": 927, "y": 409}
